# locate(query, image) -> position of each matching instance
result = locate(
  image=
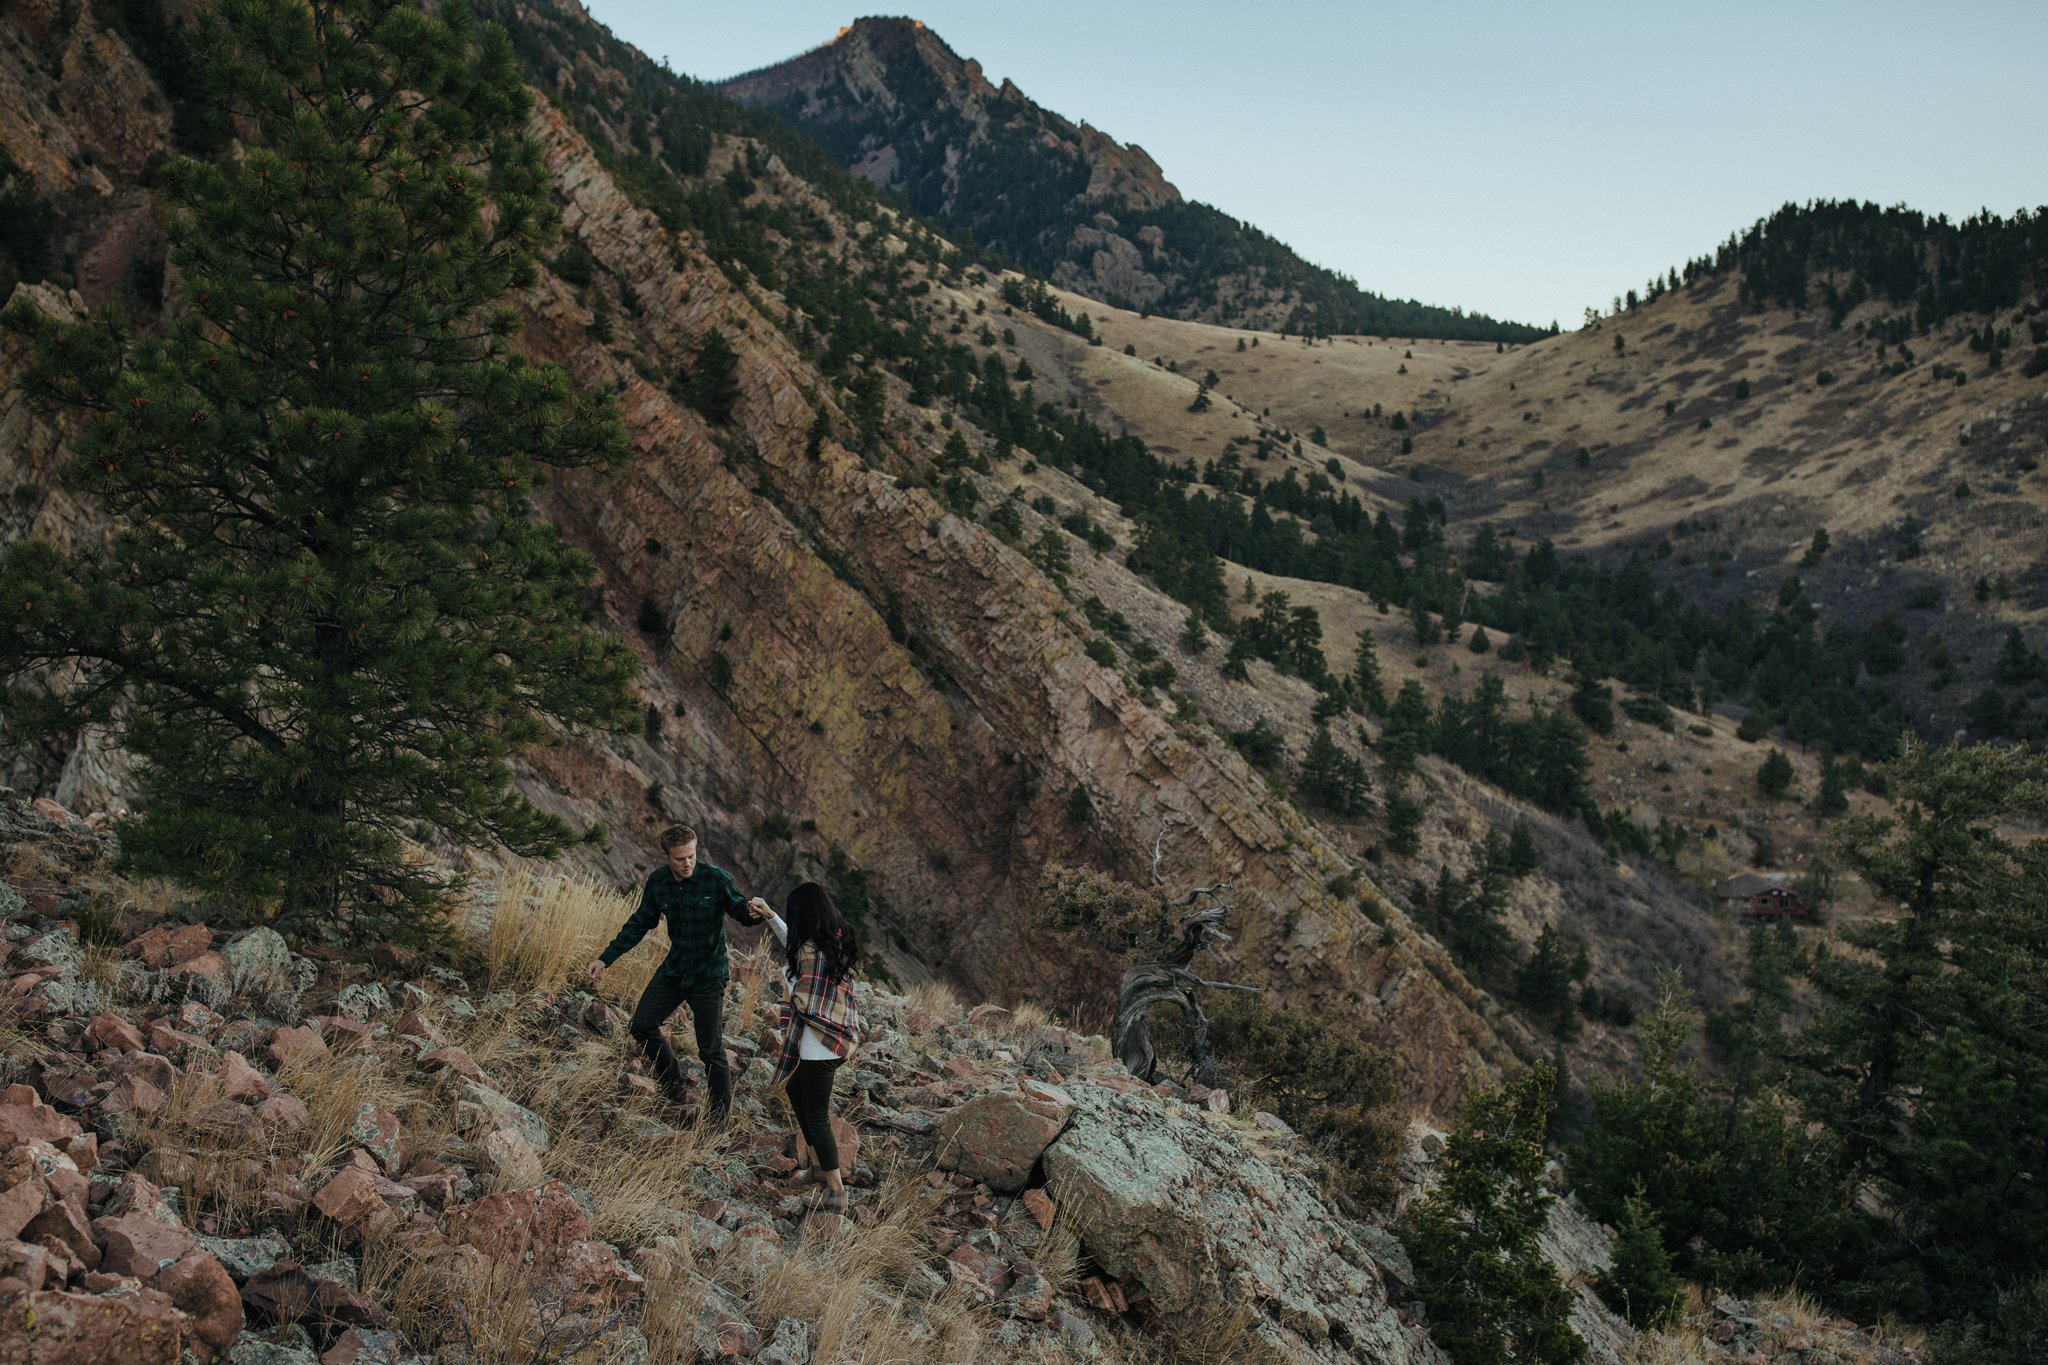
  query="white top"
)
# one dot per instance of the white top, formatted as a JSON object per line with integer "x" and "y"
{"x": 810, "y": 1048}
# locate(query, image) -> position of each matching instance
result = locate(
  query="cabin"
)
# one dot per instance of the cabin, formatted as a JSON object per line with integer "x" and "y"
{"x": 1754, "y": 896}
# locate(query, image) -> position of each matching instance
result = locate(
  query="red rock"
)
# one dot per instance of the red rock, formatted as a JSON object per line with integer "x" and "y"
{"x": 235, "y": 1079}
{"x": 132, "y": 1094}
{"x": 436, "y": 1190}
{"x": 209, "y": 966}
{"x": 456, "y": 1060}
{"x": 351, "y": 1200}
{"x": 507, "y": 1226}
{"x": 1123, "y": 1085}
{"x": 362, "y": 1346}
{"x": 1040, "y": 1207}
{"x": 20, "y": 1094}
{"x": 287, "y": 1292}
{"x": 158, "y": 1071}
{"x": 139, "y": 1245}
{"x": 296, "y": 1046}
{"x": 50, "y": 810}
{"x": 177, "y": 1043}
{"x": 998, "y": 1138}
{"x": 64, "y": 1221}
{"x": 344, "y": 1034}
{"x": 595, "y": 1268}
{"x": 284, "y": 1192}
{"x": 84, "y": 1151}
{"x": 34, "y": 1123}
{"x": 287, "y": 1113}
{"x": 169, "y": 946}
{"x": 227, "y": 1121}
{"x": 393, "y": 958}
{"x": 142, "y": 1328}
{"x": 200, "y": 1287}
{"x": 111, "y": 1030}
{"x": 194, "y": 1017}
{"x": 20, "y": 1205}
{"x": 419, "y": 1026}
{"x": 961, "y": 1067}
{"x": 1106, "y": 1295}
{"x": 27, "y": 1263}
{"x": 642, "y": 1087}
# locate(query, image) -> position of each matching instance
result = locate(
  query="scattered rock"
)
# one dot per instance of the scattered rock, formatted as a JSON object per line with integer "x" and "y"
{"x": 139, "y": 1245}
{"x": 286, "y": 1292}
{"x": 377, "y": 1131}
{"x": 352, "y": 1201}
{"x": 511, "y": 1158}
{"x": 296, "y": 1047}
{"x": 286, "y": 1113}
{"x": 259, "y": 954}
{"x": 246, "y": 1256}
{"x": 200, "y": 1287}
{"x": 791, "y": 1345}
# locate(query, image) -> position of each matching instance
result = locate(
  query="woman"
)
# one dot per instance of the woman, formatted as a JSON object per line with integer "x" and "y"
{"x": 819, "y": 950}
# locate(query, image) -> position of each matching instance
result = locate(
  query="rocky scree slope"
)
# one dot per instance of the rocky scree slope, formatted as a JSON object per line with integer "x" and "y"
{"x": 191, "y": 1180}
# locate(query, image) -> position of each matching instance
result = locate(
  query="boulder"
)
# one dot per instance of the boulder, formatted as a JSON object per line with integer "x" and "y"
{"x": 160, "y": 1072}
{"x": 289, "y": 1344}
{"x": 207, "y": 966}
{"x": 199, "y": 1287}
{"x": 112, "y": 1031}
{"x": 1196, "y": 1217}
{"x": 285, "y": 1113}
{"x": 508, "y": 1225}
{"x": 171, "y": 1042}
{"x": 296, "y": 1047}
{"x": 133, "y": 1193}
{"x": 139, "y": 1245}
{"x": 235, "y": 1079}
{"x": 64, "y": 1222}
{"x": 169, "y": 945}
{"x": 258, "y": 955}
{"x": 246, "y": 1256}
{"x": 286, "y": 1292}
{"x": 511, "y": 1158}
{"x": 417, "y": 1025}
{"x": 55, "y": 1328}
{"x": 194, "y": 1017}
{"x": 487, "y": 1109}
{"x": 344, "y": 1034}
{"x": 20, "y": 1205}
{"x": 228, "y": 1121}
{"x": 364, "y": 1346}
{"x": 351, "y": 1200}
{"x": 791, "y": 1345}
{"x": 998, "y": 1138}
{"x": 35, "y": 1123}
{"x": 376, "y": 1130}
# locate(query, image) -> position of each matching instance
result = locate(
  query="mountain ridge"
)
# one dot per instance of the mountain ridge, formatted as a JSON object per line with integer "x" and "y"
{"x": 890, "y": 100}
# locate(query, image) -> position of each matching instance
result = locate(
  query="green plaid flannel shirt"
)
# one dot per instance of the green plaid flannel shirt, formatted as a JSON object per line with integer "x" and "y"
{"x": 695, "y": 911}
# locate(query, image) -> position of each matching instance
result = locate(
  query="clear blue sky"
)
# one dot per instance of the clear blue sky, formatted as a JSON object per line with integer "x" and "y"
{"x": 1521, "y": 160}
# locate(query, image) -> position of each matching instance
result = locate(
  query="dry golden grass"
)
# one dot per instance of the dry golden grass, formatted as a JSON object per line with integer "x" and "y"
{"x": 539, "y": 933}
{"x": 937, "y": 997}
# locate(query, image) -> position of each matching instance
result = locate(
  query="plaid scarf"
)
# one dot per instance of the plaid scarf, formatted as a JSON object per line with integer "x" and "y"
{"x": 826, "y": 1005}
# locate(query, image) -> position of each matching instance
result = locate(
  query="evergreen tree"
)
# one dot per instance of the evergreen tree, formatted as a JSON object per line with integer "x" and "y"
{"x": 1593, "y": 704}
{"x": 1492, "y": 1298}
{"x": 1641, "y": 1285}
{"x": 1426, "y": 632}
{"x": 1775, "y": 776}
{"x": 1479, "y": 643}
{"x": 1834, "y": 789}
{"x": 1522, "y": 859}
{"x": 715, "y": 379}
{"x": 1193, "y": 638}
{"x": 1928, "y": 1053}
{"x": 1365, "y": 673}
{"x": 327, "y": 616}
{"x": 1545, "y": 982}
{"x": 1410, "y": 731}
{"x": 1330, "y": 777}
{"x": 1404, "y": 823}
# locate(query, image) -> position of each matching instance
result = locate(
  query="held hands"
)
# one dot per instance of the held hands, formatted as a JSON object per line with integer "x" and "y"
{"x": 761, "y": 909}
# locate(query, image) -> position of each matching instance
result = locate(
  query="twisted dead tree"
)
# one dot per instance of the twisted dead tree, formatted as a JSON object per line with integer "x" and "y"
{"x": 1161, "y": 939}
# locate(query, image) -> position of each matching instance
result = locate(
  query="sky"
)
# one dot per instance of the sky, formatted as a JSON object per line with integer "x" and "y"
{"x": 1521, "y": 160}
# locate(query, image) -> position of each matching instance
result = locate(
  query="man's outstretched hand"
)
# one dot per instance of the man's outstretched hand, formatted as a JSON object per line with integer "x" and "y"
{"x": 761, "y": 910}
{"x": 594, "y": 970}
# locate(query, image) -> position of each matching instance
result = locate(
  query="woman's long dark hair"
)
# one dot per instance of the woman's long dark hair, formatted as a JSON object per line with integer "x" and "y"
{"x": 814, "y": 919}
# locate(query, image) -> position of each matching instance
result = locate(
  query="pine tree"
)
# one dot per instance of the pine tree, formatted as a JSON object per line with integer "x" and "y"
{"x": 1330, "y": 777}
{"x": 1492, "y": 1298}
{"x": 1927, "y": 1052}
{"x": 1545, "y": 984}
{"x": 715, "y": 379}
{"x": 1426, "y": 632}
{"x": 327, "y": 616}
{"x": 1404, "y": 823}
{"x": 1775, "y": 776}
{"x": 1193, "y": 638}
{"x": 1834, "y": 789}
{"x": 1522, "y": 859}
{"x": 1640, "y": 1285}
{"x": 1365, "y": 672}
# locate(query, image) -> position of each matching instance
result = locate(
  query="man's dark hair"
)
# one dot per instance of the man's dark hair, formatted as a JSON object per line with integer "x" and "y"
{"x": 675, "y": 836}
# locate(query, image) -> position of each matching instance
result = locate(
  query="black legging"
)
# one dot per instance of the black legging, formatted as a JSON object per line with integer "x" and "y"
{"x": 810, "y": 1095}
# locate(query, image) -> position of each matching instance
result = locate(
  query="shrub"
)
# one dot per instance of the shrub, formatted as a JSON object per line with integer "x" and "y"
{"x": 1640, "y": 1285}
{"x": 1775, "y": 776}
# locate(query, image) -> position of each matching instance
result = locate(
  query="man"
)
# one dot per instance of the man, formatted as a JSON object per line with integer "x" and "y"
{"x": 694, "y": 898}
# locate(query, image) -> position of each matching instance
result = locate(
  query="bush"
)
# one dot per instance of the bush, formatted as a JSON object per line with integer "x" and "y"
{"x": 1755, "y": 725}
{"x": 1262, "y": 745}
{"x": 1775, "y": 776}
{"x": 1102, "y": 651}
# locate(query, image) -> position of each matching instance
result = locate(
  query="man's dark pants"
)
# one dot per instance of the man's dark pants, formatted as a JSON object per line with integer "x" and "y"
{"x": 707, "y": 1013}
